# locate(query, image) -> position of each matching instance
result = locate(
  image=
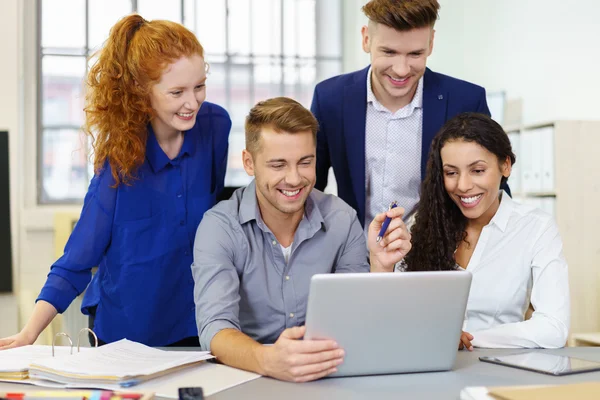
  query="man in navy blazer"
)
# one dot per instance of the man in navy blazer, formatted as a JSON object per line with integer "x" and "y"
{"x": 376, "y": 125}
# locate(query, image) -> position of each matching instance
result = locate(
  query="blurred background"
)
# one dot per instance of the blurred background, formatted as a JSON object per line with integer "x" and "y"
{"x": 537, "y": 60}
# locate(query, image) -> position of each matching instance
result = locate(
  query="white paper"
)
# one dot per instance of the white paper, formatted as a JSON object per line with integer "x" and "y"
{"x": 122, "y": 359}
{"x": 212, "y": 378}
{"x": 475, "y": 393}
{"x": 18, "y": 359}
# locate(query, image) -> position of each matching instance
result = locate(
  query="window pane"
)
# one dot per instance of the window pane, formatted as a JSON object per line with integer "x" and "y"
{"x": 266, "y": 37}
{"x": 328, "y": 68}
{"x": 62, "y": 92}
{"x": 160, "y": 9}
{"x": 216, "y": 91}
{"x": 210, "y": 25}
{"x": 240, "y": 95}
{"x": 65, "y": 166}
{"x": 307, "y": 73}
{"x": 104, "y": 14}
{"x": 239, "y": 26}
{"x": 305, "y": 32}
{"x": 267, "y": 78}
{"x": 236, "y": 175}
{"x": 289, "y": 28}
{"x": 63, "y": 23}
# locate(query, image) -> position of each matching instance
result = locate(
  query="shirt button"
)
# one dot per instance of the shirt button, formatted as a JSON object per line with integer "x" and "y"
{"x": 287, "y": 278}
{"x": 179, "y": 195}
{"x": 291, "y": 315}
{"x": 186, "y": 252}
{"x": 182, "y": 222}
{"x": 274, "y": 242}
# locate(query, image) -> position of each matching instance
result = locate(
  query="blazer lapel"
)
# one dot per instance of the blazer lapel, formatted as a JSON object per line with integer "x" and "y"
{"x": 355, "y": 117}
{"x": 435, "y": 102}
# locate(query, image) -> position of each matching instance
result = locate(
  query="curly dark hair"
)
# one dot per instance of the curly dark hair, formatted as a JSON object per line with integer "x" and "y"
{"x": 439, "y": 224}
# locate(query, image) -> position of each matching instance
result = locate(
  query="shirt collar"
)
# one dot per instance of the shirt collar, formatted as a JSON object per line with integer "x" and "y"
{"x": 416, "y": 102}
{"x": 249, "y": 210}
{"x": 500, "y": 219}
{"x": 156, "y": 156}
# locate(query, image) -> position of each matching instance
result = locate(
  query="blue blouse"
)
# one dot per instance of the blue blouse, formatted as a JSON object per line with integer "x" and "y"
{"x": 141, "y": 238}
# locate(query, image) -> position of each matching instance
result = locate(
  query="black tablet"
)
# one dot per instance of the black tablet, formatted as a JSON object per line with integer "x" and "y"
{"x": 544, "y": 363}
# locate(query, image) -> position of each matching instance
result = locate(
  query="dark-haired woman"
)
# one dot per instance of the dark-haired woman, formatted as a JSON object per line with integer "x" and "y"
{"x": 514, "y": 251}
{"x": 160, "y": 153}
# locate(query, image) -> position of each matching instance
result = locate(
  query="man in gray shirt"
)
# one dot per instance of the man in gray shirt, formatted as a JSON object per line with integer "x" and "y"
{"x": 254, "y": 254}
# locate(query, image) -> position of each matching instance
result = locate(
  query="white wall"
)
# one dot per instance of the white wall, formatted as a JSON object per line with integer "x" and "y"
{"x": 10, "y": 83}
{"x": 544, "y": 51}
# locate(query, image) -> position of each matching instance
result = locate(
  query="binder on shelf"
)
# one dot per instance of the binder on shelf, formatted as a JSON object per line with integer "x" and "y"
{"x": 547, "y": 165}
{"x": 514, "y": 181}
{"x": 532, "y": 161}
{"x": 548, "y": 204}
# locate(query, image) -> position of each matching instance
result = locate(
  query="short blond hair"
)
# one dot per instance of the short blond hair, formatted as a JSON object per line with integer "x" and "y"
{"x": 281, "y": 114}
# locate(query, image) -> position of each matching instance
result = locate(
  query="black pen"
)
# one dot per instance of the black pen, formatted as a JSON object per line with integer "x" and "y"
{"x": 386, "y": 223}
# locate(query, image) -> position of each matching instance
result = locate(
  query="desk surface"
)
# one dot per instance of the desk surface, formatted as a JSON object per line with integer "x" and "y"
{"x": 468, "y": 371}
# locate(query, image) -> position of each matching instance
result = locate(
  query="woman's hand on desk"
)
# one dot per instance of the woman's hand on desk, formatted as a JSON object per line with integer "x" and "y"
{"x": 465, "y": 341}
{"x": 18, "y": 340}
{"x": 295, "y": 360}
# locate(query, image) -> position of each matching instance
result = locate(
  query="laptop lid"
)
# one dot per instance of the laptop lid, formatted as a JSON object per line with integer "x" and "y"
{"x": 390, "y": 322}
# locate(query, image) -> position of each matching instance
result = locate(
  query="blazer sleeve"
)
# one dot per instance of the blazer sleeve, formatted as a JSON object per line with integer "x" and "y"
{"x": 323, "y": 160}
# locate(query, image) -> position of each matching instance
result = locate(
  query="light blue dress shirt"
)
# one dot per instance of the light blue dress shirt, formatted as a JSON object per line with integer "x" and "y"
{"x": 241, "y": 278}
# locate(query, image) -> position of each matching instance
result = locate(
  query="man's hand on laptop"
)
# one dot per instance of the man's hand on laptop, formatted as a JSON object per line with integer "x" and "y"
{"x": 465, "y": 341}
{"x": 394, "y": 243}
{"x": 295, "y": 360}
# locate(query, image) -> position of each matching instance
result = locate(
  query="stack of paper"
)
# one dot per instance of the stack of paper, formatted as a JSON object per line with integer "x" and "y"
{"x": 14, "y": 363}
{"x": 125, "y": 363}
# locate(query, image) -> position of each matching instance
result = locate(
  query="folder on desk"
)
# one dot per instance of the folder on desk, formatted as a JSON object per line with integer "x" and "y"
{"x": 14, "y": 363}
{"x": 579, "y": 391}
{"x": 124, "y": 363}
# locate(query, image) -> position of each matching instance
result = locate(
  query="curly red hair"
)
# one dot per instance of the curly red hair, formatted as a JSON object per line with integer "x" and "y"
{"x": 118, "y": 86}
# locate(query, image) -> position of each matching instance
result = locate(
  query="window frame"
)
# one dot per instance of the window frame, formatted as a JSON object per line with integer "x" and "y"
{"x": 228, "y": 63}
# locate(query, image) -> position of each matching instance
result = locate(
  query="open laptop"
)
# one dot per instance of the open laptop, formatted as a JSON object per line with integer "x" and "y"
{"x": 390, "y": 322}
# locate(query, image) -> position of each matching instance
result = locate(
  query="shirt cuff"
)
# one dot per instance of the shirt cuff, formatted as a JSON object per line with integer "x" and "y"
{"x": 210, "y": 330}
{"x": 58, "y": 292}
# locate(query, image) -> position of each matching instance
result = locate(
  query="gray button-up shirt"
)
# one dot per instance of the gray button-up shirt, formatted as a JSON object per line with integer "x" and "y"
{"x": 241, "y": 278}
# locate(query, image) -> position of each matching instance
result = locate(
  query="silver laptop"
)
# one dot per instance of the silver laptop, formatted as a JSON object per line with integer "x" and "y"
{"x": 390, "y": 322}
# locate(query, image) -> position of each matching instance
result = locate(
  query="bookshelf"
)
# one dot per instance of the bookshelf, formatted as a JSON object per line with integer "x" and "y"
{"x": 558, "y": 170}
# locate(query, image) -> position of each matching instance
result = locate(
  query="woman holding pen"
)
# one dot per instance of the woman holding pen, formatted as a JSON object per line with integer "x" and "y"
{"x": 160, "y": 155}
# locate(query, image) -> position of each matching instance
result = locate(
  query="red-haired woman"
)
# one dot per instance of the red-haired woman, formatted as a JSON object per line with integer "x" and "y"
{"x": 160, "y": 158}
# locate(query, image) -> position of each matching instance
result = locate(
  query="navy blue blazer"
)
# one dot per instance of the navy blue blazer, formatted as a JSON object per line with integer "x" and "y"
{"x": 340, "y": 106}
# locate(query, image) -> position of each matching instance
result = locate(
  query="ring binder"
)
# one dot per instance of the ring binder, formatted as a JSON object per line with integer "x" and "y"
{"x": 90, "y": 331}
{"x": 61, "y": 334}
{"x": 71, "y": 341}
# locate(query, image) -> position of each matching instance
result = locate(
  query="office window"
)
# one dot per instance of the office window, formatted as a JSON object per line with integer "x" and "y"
{"x": 256, "y": 49}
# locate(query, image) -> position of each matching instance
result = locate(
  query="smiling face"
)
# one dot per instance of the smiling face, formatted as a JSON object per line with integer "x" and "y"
{"x": 472, "y": 177}
{"x": 177, "y": 97}
{"x": 284, "y": 171}
{"x": 398, "y": 61}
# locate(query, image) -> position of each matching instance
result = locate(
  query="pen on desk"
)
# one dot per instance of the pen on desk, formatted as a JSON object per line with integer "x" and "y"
{"x": 386, "y": 223}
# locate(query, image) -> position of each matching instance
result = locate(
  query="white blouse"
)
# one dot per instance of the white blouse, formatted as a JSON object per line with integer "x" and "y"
{"x": 518, "y": 259}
